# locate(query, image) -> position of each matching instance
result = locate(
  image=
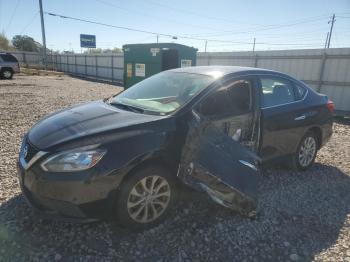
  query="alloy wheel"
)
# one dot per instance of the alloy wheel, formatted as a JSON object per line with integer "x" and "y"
{"x": 307, "y": 151}
{"x": 148, "y": 199}
{"x": 7, "y": 74}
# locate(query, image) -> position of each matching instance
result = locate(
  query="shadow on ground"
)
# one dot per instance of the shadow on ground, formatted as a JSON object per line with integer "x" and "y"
{"x": 117, "y": 82}
{"x": 299, "y": 214}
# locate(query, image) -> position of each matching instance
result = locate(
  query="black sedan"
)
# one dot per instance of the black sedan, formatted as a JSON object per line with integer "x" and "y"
{"x": 208, "y": 127}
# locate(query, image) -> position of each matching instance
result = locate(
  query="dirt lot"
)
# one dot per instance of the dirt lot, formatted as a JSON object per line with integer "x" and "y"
{"x": 302, "y": 216}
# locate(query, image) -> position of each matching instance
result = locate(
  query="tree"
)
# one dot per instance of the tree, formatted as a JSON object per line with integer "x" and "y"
{"x": 94, "y": 51}
{"x": 25, "y": 43}
{"x": 4, "y": 42}
{"x": 117, "y": 50}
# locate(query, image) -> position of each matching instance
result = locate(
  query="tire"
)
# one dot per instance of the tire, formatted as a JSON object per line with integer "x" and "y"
{"x": 306, "y": 152}
{"x": 136, "y": 207}
{"x": 6, "y": 73}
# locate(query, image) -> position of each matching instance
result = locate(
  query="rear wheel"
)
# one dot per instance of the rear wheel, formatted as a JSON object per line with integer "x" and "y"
{"x": 6, "y": 73}
{"x": 146, "y": 197}
{"x": 306, "y": 152}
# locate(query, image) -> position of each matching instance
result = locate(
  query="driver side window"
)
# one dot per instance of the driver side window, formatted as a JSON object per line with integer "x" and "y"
{"x": 232, "y": 99}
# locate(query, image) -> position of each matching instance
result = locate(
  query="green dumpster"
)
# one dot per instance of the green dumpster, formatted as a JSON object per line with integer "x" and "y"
{"x": 144, "y": 60}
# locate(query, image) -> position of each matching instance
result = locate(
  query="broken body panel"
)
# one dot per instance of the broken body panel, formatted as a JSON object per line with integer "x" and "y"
{"x": 226, "y": 170}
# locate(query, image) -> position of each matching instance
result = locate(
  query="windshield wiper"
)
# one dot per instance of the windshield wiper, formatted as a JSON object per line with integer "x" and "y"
{"x": 127, "y": 107}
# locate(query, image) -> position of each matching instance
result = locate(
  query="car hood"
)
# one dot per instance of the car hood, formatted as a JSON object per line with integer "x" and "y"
{"x": 83, "y": 120}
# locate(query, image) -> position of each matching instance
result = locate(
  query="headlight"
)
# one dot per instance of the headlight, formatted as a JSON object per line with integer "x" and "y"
{"x": 74, "y": 160}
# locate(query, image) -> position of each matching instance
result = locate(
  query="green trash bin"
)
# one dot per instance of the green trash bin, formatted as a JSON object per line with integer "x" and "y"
{"x": 144, "y": 60}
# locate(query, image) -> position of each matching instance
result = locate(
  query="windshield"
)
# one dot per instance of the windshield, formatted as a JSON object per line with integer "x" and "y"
{"x": 164, "y": 92}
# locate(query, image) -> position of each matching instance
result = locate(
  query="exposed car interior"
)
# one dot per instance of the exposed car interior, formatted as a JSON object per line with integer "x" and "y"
{"x": 165, "y": 92}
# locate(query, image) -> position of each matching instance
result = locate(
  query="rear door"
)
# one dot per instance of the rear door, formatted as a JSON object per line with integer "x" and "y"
{"x": 283, "y": 117}
{"x": 217, "y": 164}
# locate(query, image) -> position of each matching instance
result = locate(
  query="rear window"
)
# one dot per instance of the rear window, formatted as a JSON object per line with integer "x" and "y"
{"x": 8, "y": 58}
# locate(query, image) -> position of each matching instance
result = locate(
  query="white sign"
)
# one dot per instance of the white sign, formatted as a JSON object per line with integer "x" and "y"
{"x": 186, "y": 62}
{"x": 154, "y": 51}
{"x": 140, "y": 70}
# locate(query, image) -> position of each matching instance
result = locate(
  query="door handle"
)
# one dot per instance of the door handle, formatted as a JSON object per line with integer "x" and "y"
{"x": 302, "y": 117}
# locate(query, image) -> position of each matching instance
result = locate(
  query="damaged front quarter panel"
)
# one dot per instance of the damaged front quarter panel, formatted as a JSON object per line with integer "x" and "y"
{"x": 226, "y": 170}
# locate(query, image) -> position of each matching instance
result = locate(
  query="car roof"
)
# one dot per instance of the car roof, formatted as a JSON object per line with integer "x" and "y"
{"x": 220, "y": 70}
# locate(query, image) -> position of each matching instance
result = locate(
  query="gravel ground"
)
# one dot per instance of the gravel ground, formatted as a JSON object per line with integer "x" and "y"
{"x": 302, "y": 216}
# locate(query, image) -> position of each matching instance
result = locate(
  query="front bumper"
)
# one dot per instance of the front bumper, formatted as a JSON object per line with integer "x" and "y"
{"x": 83, "y": 197}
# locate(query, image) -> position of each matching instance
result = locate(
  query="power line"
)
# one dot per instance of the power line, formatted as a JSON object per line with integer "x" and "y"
{"x": 108, "y": 25}
{"x": 30, "y": 22}
{"x": 198, "y": 14}
{"x": 269, "y": 27}
{"x": 175, "y": 36}
{"x": 293, "y": 31}
{"x": 13, "y": 14}
{"x": 272, "y": 26}
{"x": 301, "y": 20}
{"x": 264, "y": 43}
{"x": 133, "y": 11}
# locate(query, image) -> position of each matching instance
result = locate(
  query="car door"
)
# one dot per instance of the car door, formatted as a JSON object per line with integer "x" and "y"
{"x": 220, "y": 166}
{"x": 218, "y": 154}
{"x": 281, "y": 117}
{"x": 234, "y": 108}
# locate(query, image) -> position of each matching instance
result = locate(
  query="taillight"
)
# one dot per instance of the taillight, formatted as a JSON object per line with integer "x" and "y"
{"x": 330, "y": 105}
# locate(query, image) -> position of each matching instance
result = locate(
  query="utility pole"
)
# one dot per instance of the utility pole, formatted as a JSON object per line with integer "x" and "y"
{"x": 205, "y": 48}
{"x": 254, "y": 45}
{"x": 43, "y": 32}
{"x": 157, "y": 38}
{"x": 330, "y": 32}
{"x": 325, "y": 44}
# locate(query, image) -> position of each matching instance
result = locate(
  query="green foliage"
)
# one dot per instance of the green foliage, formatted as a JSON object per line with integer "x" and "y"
{"x": 4, "y": 42}
{"x": 25, "y": 43}
{"x": 94, "y": 51}
{"x": 117, "y": 50}
{"x": 103, "y": 51}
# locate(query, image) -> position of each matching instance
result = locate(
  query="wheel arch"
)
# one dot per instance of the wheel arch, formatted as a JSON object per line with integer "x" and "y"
{"x": 318, "y": 133}
{"x": 7, "y": 67}
{"x": 152, "y": 159}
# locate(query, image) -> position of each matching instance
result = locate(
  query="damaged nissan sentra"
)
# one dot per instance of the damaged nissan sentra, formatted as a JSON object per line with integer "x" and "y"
{"x": 209, "y": 127}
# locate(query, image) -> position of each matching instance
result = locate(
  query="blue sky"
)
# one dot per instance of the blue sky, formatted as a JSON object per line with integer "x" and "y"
{"x": 228, "y": 25}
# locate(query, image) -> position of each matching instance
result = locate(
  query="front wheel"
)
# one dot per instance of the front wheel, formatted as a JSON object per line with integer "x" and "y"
{"x": 6, "y": 74}
{"x": 146, "y": 197}
{"x": 306, "y": 152}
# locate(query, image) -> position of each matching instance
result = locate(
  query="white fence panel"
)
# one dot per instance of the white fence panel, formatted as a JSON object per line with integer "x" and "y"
{"x": 325, "y": 70}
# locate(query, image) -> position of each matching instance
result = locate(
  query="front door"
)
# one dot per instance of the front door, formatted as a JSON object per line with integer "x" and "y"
{"x": 235, "y": 109}
{"x": 217, "y": 164}
{"x": 218, "y": 154}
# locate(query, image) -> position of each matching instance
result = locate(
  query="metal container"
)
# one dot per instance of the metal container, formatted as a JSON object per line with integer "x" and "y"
{"x": 144, "y": 60}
